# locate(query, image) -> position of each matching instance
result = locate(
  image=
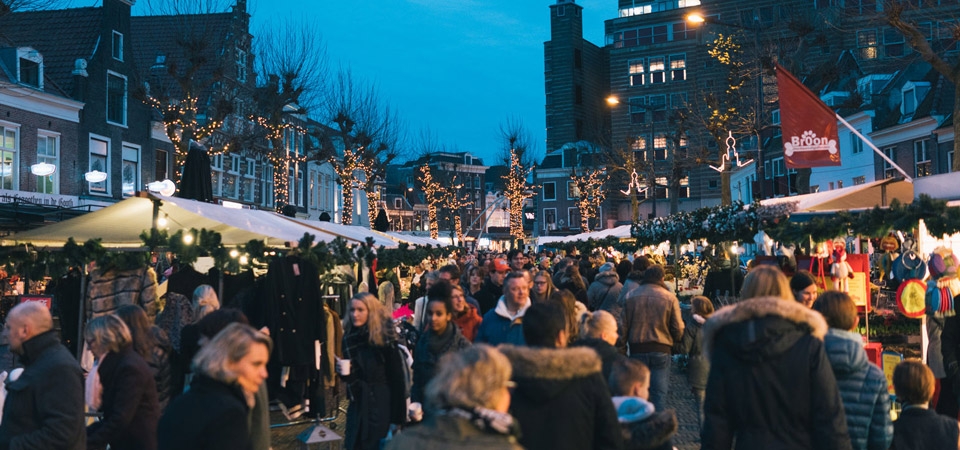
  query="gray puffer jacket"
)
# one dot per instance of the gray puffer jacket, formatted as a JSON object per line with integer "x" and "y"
{"x": 605, "y": 287}
{"x": 863, "y": 389}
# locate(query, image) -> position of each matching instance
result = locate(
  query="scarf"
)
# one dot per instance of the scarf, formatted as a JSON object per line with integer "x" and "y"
{"x": 486, "y": 419}
{"x": 438, "y": 344}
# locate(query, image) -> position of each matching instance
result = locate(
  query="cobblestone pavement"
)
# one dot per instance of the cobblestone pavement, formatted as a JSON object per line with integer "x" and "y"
{"x": 680, "y": 399}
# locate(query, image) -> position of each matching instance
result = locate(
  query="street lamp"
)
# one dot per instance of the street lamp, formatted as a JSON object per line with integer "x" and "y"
{"x": 696, "y": 19}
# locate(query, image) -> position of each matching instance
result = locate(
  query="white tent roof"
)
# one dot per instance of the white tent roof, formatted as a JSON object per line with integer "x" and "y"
{"x": 414, "y": 240}
{"x": 623, "y": 231}
{"x": 119, "y": 225}
{"x": 869, "y": 195}
{"x": 348, "y": 232}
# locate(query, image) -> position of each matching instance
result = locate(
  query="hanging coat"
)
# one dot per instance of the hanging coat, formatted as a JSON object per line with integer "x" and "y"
{"x": 294, "y": 310}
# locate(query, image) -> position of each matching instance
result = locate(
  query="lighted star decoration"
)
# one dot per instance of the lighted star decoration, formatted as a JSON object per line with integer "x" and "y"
{"x": 731, "y": 155}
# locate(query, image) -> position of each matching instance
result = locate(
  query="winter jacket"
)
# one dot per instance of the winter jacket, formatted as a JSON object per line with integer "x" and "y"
{"x": 44, "y": 407}
{"x": 561, "y": 400}
{"x": 608, "y": 354}
{"x": 863, "y": 388}
{"x": 107, "y": 291}
{"x": 499, "y": 326}
{"x": 643, "y": 427}
{"x": 469, "y": 322}
{"x": 212, "y": 415}
{"x": 442, "y": 432}
{"x": 770, "y": 383}
{"x": 294, "y": 310}
{"x": 628, "y": 287}
{"x": 698, "y": 366}
{"x": 159, "y": 361}
{"x": 924, "y": 429}
{"x": 488, "y": 295}
{"x": 129, "y": 404}
{"x": 651, "y": 319}
{"x": 430, "y": 347}
{"x": 376, "y": 388}
{"x": 605, "y": 286}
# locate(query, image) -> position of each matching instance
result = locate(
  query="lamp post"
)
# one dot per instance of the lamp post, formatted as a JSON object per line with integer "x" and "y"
{"x": 696, "y": 19}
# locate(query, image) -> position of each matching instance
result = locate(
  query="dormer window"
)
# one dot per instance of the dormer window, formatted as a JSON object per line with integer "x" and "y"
{"x": 117, "y": 46}
{"x": 913, "y": 93}
{"x": 30, "y": 67}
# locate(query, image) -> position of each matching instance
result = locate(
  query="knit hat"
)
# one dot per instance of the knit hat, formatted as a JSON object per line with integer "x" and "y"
{"x": 936, "y": 265}
{"x": 606, "y": 267}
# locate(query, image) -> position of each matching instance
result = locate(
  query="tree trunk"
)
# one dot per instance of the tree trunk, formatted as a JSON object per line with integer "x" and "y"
{"x": 432, "y": 219}
{"x": 346, "y": 216}
{"x": 725, "y": 196}
{"x": 458, "y": 225}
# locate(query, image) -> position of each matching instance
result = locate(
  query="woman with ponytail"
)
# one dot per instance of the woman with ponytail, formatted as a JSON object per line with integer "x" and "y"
{"x": 598, "y": 330}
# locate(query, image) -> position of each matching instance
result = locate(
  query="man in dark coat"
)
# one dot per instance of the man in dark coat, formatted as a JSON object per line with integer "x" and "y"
{"x": 44, "y": 406}
{"x": 770, "y": 382}
{"x": 492, "y": 288}
{"x": 561, "y": 400}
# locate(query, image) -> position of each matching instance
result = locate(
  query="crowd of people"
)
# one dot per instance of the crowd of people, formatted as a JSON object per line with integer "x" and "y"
{"x": 507, "y": 351}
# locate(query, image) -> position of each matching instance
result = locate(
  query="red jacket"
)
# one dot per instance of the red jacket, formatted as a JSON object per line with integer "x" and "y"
{"x": 469, "y": 322}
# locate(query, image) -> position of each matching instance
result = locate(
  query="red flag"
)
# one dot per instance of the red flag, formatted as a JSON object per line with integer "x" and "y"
{"x": 809, "y": 126}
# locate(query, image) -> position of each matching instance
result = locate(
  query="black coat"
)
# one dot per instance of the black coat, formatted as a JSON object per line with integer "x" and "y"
{"x": 294, "y": 310}
{"x": 770, "y": 383}
{"x": 44, "y": 407}
{"x": 129, "y": 404}
{"x": 561, "y": 399}
{"x": 488, "y": 296}
{"x": 608, "y": 354}
{"x": 210, "y": 416}
{"x": 923, "y": 429}
{"x": 376, "y": 386}
{"x": 430, "y": 347}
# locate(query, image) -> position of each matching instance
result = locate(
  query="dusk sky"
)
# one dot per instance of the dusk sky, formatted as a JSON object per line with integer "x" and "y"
{"x": 458, "y": 67}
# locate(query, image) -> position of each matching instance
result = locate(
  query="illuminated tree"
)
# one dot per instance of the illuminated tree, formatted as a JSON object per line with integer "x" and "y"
{"x": 453, "y": 201}
{"x": 517, "y": 190}
{"x": 590, "y": 193}
{"x": 434, "y": 195}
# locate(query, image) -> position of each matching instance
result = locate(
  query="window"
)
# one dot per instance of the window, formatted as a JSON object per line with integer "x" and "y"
{"x": 216, "y": 175}
{"x": 398, "y": 203}
{"x": 249, "y": 180}
{"x": 9, "y": 144}
{"x": 657, "y": 70}
{"x": 161, "y": 165}
{"x": 859, "y": 180}
{"x": 577, "y": 58}
{"x": 48, "y": 151}
{"x": 856, "y": 144}
{"x": 578, "y": 94}
{"x": 268, "y": 199}
{"x": 572, "y": 190}
{"x": 550, "y": 218}
{"x": 893, "y": 44}
{"x": 117, "y": 46}
{"x": 660, "y": 34}
{"x": 241, "y": 65}
{"x": 678, "y": 100}
{"x": 116, "y": 99}
{"x": 99, "y": 151}
{"x": 295, "y": 185}
{"x": 476, "y": 182}
{"x": 636, "y": 69}
{"x": 778, "y": 167}
{"x": 867, "y": 44}
{"x": 678, "y": 67}
{"x": 638, "y": 110}
{"x": 230, "y": 184}
{"x": 767, "y": 173}
{"x": 549, "y": 191}
{"x": 684, "y": 190}
{"x": 888, "y": 170}
{"x": 573, "y": 218}
{"x": 775, "y": 117}
{"x": 949, "y": 162}
{"x": 921, "y": 158}
{"x": 713, "y": 184}
{"x": 130, "y": 172}
{"x": 640, "y": 144}
{"x": 660, "y": 147}
{"x": 682, "y": 32}
{"x": 30, "y": 72}
{"x": 313, "y": 178}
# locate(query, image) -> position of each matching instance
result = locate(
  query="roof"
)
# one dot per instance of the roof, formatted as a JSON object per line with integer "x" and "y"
{"x": 158, "y": 35}
{"x": 869, "y": 195}
{"x": 61, "y": 36}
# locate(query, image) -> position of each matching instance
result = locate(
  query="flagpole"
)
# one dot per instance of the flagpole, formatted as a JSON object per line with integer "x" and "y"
{"x": 875, "y": 149}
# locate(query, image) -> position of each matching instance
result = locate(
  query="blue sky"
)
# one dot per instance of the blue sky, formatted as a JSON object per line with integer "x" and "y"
{"x": 457, "y": 67}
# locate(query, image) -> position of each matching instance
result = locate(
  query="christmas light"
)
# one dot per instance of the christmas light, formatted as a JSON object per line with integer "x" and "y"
{"x": 434, "y": 195}
{"x": 591, "y": 194}
{"x": 517, "y": 190}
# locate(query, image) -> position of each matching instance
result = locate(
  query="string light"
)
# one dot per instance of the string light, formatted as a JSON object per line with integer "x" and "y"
{"x": 434, "y": 195}
{"x": 517, "y": 190}
{"x": 452, "y": 199}
{"x": 346, "y": 168}
{"x": 591, "y": 193}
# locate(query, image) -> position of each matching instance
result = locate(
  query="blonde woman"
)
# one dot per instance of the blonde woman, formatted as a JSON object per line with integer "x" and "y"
{"x": 205, "y": 301}
{"x": 228, "y": 370}
{"x": 766, "y": 281}
{"x": 598, "y": 330}
{"x": 128, "y": 399}
{"x": 373, "y": 371}
{"x": 469, "y": 398}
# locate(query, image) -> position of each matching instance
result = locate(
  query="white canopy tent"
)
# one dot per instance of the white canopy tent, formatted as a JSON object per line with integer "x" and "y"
{"x": 414, "y": 240}
{"x": 868, "y": 195}
{"x": 119, "y": 225}
{"x": 348, "y": 232}
{"x": 622, "y": 232}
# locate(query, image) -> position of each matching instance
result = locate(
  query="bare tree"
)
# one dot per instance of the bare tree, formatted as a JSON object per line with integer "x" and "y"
{"x": 434, "y": 196}
{"x": 517, "y": 190}
{"x": 590, "y": 192}
{"x": 369, "y": 132}
{"x": 518, "y": 141}
{"x": 947, "y": 64}
{"x": 11, "y": 6}
{"x": 292, "y": 62}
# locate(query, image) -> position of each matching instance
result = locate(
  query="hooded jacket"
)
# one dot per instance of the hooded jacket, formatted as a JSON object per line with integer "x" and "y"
{"x": 643, "y": 427}
{"x": 606, "y": 285}
{"x": 443, "y": 431}
{"x": 469, "y": 322}
{"x": 561, "y": 400}
{"x": 863, "y": 388}
{"x": 698, "y": 366}
{"x": 770, "y": 383}
{"x": 501, "y": 327}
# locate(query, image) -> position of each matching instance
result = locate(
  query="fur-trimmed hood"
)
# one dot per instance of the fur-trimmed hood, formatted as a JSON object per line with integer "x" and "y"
{"x": 764, "y": 326}
{"x": 544, "y": 374}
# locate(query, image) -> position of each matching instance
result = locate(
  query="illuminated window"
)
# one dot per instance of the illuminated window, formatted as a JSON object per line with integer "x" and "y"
{"x": 9, "y": 161}
{"x": 636, "y": 72}
{"x": 657, "y": 70}
{"x": 99, "y": 151}
{"x": 678, "y": 68}
{"x": 48, "y": 151}
{"x": 867, "y": 44}
{"x": 921, "y": 157}
{"x": 130, "y": 171}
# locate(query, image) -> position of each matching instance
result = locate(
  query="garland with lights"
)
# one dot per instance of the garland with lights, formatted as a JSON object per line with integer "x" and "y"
{"x": 181, "y": 126}
{"x": 453, "y": 201}
{"x": 346, "y": 168}
{"x": 517, "y": 190}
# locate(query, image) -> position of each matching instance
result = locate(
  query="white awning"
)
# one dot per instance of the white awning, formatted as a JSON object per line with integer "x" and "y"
{"x": 869, "y": 195}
